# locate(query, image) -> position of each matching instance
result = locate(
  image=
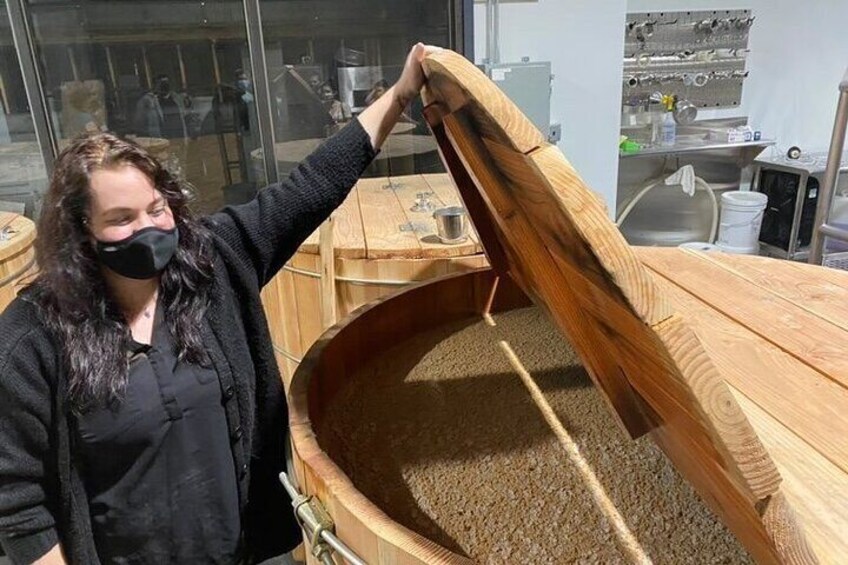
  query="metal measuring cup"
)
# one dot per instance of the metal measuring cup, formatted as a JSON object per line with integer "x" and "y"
{"x": 451, "y": 224}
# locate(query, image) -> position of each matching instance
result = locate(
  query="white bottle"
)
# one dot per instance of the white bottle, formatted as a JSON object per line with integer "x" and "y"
{"x": 668, "y": 136}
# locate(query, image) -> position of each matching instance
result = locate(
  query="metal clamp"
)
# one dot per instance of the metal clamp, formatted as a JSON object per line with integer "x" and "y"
{"x": 423, "y": 203}
{"x": 318, "y": 525}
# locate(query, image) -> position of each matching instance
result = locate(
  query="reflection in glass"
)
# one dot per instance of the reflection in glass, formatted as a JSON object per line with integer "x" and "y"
{"x": 327, "y": 61}
{"x": 23, "y": 178}
{"x": 169, "y": 74}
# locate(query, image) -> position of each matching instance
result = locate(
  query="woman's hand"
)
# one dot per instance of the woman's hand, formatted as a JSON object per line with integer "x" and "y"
{"x": 379, "y": 118}
{"x": 412, "y": 78}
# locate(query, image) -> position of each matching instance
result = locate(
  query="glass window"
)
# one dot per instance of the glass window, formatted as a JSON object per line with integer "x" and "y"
{"x": 327, "y": 61}
{"x": 167, "y": 73}
{"x": 22, "y": 174}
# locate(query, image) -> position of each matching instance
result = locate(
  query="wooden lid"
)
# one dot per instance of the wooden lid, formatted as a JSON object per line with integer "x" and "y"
{"x": 540, "y": 224}
{"x": 21, "y": 234}
{"x": 380, "y": 220}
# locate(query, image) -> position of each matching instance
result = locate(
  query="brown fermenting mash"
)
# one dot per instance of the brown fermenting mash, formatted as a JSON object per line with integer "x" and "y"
{"x": 442, "y": 434}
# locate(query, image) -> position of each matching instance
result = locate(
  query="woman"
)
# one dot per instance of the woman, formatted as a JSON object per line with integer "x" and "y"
{"x": 142, "y": 418}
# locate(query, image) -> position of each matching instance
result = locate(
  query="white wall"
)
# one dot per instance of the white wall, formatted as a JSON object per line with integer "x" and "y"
{"x": 584, "y": 41}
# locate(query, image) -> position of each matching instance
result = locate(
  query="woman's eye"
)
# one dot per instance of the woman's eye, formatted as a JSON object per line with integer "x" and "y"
{"x": 121, "y": 221}
{"x": 158, "y": 212}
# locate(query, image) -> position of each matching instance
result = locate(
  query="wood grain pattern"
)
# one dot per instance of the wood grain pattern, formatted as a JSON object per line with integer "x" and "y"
{"x": 17, "y": 256}
{"x": 585, "y": 211}
{"x": 326, "y": 252}
{"x": 455, "y": 83}
{"x": 564, "y": 251}
{"x": 816, "y": 488}
{"x": 822, "y": 292}
{"x": 349, "y": 232}
{"x": 750, "y": 364}
{"x": 731, "y": 433}
{"x": 307, "y": 292}
{"x": 383, "y": 218}
{"x": 541, "y": 278}
{"x": 801, "y": 332}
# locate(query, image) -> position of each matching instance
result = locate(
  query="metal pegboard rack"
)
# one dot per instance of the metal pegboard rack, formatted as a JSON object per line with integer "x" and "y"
{"x": 697, "y": 55}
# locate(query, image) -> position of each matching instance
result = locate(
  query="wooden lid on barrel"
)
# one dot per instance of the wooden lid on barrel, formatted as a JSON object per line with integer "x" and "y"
{"x": 19, "y": 235}
{"x": 382, "y": 218}
{"x": 541, "y": 225}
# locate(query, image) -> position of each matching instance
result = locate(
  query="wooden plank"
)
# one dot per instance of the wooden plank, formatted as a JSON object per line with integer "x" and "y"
{"x": 328, "y": 273}
{"x": 453, "y": 82}
{"x": 349, "y": 236}
{"x": 813, "y": 485}
{"x": 382, "y": 218}
{"x": 807, "y": 337}
{"x": 811, "y": 288}
{"x": 494, "y": 244}
{"x": 349, "y": 233}
{"x": 278, "y": 300}
{"x": 576, "y": 228}
{"x": 307, "y": 291}
{"x": 750, "y": 364}
{"x": 747, "y": 461}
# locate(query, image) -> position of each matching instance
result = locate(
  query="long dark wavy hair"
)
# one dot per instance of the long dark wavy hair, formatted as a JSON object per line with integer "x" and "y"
{"x": 71, "y": 289}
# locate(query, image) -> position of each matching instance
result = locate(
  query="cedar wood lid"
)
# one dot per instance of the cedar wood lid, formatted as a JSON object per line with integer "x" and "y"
{"x": 542, "y": 226}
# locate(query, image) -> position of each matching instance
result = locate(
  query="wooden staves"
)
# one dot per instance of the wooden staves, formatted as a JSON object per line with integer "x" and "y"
{"x": 17, "y": 256}
{"x": 540, "y": 223}
{"x": 373, "y": 255}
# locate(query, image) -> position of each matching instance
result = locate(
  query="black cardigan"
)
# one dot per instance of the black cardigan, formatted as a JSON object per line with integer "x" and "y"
{"x": 42, "y": 499}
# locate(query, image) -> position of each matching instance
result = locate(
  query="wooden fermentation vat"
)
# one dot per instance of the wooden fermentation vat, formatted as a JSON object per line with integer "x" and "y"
{"x": 17, "y": 256}
{"x": 735, "y": 368}
{"x": 381, "y": 243}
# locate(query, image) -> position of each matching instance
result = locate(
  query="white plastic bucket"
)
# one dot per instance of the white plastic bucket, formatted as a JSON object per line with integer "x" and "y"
{"x": 741, "y": 219}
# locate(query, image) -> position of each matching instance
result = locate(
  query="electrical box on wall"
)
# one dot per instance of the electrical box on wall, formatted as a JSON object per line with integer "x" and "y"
{"x": 528, "y": 84}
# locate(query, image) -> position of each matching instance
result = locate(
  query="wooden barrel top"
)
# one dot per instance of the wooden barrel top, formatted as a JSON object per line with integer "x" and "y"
{"x": 377, "y": 221}
{"x": 21, "y": 235}
{"x": 17, "y": 256}
{"x": 778, "y": 333}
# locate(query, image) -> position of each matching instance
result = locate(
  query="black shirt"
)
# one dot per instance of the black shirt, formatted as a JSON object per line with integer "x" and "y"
{"x": 158, "y": 467}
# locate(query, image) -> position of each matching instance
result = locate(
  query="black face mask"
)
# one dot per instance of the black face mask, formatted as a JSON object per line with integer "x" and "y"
{"x": 142, "y": 255}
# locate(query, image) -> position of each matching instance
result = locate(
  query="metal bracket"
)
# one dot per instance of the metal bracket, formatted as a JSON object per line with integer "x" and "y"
{"x": 318, "y": 525}
{"x": 415, "y": 227}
